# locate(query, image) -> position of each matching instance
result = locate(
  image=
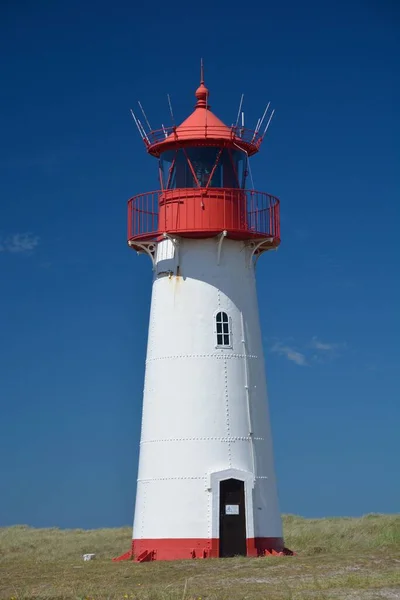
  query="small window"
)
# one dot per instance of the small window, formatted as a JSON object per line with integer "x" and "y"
{"x": 222, "y": 330}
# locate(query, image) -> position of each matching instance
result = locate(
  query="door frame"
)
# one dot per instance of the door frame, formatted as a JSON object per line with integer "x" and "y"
{"x": 214, "y": 480}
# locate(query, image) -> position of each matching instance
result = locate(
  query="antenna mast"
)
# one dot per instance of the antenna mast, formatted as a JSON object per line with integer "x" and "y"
{"x": 269, "y": 121}
{"x": 137, "y": 125}
{"x": 262, "y": 118}
{"x": 240, "y": 108}
{"x": 170, "y": 110}
{"x": 144, "y": 114}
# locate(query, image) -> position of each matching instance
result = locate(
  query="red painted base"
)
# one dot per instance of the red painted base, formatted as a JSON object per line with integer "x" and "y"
{"x": 185, "y": 548}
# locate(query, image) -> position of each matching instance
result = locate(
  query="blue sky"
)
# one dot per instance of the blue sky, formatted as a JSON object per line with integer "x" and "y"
{"x": 74, "y": 300}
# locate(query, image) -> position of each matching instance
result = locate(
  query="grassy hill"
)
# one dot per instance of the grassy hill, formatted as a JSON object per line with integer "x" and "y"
{"x": 341, "y": 558}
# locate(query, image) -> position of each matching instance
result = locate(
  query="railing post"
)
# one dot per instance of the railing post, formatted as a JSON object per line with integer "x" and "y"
{"x": 224, "y": 212}
{"x": 129, "y": 219}
{"x": 277, "y": 221}
{"x": 156, "y": 210}
{"x": 271, "y": 210}
{"x": 153, "y": 213}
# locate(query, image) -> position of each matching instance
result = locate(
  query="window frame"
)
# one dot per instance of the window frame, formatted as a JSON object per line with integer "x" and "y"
{"x": 222, "y": 333}
{"x": 210, "y": 167}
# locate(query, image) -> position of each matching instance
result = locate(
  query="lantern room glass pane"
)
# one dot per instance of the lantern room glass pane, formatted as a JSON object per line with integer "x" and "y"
{"x": 203, "y": 161}
{"x": 203, "y": 167}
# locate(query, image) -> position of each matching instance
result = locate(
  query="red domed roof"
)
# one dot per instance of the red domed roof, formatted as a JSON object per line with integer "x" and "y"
{"x": 202, "y": 123}
{"x": 202, "y": 128}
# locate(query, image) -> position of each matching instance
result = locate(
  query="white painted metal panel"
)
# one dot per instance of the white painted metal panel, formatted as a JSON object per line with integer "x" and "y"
{"x": 204, "y": 408}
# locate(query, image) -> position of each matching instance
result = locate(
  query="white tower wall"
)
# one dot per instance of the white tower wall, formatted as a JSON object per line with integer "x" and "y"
{"x": 205, "y": 414}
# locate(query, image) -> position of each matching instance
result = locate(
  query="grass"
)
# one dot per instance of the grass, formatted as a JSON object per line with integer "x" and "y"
{"x": 337, "y": 558}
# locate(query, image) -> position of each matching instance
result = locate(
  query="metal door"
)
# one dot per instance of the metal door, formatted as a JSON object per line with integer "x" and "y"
{"x": 232, "y": 521}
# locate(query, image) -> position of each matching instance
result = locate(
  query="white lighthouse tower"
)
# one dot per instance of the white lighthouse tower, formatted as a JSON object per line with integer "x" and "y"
{"x": 206, "y": 484}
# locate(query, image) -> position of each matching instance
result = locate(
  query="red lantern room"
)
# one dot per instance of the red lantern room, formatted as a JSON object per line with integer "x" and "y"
{"x": 203, "y": 169}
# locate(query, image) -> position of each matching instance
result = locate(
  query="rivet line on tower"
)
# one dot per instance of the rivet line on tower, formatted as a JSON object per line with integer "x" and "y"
{"x": 219, "y": 355}
{"x": 169, "y": 478}
{"x": 203, "y": 439}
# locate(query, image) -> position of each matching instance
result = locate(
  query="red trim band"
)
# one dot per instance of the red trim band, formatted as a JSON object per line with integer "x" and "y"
{"x": 185, "y": 548}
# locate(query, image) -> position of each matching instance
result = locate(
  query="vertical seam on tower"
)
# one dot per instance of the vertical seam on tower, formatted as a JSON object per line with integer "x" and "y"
{"x": 228, "y": 425}
{"x": 150, "y": 343}
{"x": 209, "y": 513}
{"x": 144, "y": 510}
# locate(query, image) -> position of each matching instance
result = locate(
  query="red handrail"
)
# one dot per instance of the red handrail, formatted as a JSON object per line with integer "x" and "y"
{"x": 202, "y": 212}
{"x": 249, "y": 136}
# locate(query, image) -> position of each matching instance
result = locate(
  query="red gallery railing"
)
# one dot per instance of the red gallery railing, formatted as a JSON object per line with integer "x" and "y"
{"x": 237, "y": 134}
{"x": 204, "y": 212}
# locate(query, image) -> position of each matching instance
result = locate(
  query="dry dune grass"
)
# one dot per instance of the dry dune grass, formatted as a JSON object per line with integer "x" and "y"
{"x": 337, "y": 558}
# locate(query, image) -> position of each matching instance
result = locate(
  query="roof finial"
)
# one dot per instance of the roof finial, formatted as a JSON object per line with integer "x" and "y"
{"x": 202, "y": 92}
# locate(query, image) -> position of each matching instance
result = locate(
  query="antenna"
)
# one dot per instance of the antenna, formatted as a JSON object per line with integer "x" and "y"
{"x": 137, "y": 124}
{"x": 201, "y": 72}
{"x": 163, "y": 128}
{"x": 170, "y": 110}
{"x": 240, "y": 108}
{"x": 144, "y": 114}
{"x": 269, "y": 121}
{"x": 256, "y": 129}
{"x": 262, "y": 118}
{"x": 143, "y": 131}
{"x": 206, "y": 112}
{"x": 242, "y": 119}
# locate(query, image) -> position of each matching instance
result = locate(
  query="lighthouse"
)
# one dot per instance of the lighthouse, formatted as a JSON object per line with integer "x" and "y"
{"x": 206, "y": 484}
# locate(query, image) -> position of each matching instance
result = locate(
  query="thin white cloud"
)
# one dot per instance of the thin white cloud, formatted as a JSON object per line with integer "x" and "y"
{"x": 19, "y": 243}
{"x": 315, "y": 351}
{"x": 323, "y": 346}
{"x": 290, "y": 353}
{"x": 325, "y": 351}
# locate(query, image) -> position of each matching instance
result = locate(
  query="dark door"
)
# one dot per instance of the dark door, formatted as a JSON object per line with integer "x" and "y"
{"x": 232, "y": 519}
